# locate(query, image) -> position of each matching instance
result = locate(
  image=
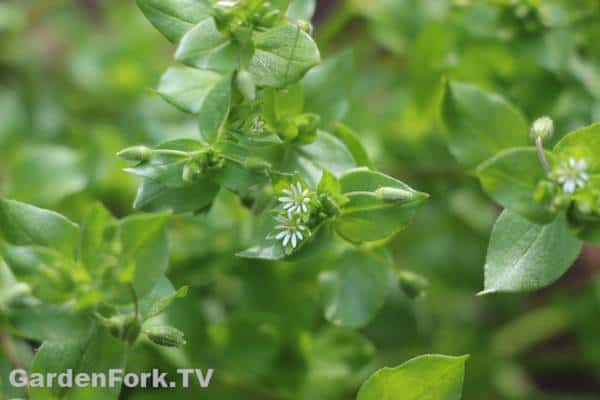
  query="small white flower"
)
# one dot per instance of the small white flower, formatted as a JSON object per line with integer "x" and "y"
{"x": 290, "y": 230}
{"x": 572, "y": 174}
{"x": 296, "y": 199}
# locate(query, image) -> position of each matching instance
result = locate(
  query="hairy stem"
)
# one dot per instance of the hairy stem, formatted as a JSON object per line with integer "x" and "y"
{"x": 539, "y": 144}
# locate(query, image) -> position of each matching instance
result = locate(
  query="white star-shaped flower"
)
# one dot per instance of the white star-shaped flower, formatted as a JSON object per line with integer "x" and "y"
{"x": 290, "y": 230}
{"x": 572, "y": 174}
{"x": 296, "y": 199}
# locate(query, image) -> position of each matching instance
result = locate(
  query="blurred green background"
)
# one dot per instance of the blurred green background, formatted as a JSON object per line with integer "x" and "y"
{"x": 76, "y": 86}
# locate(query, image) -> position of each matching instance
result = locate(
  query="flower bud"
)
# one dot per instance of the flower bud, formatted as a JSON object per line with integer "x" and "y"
{"x": 135, "y": 153}
{"x": 393, "y": 194}
{"x": 245, "y": 84}
{"x": 165, "y": 336}
{"x": 542, "y": 127}
{"x": 256, "y": 164}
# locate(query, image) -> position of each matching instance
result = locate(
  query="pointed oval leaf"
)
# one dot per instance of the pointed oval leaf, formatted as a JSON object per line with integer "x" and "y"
{"x": 95, "y": 353}
{"x": 428, "y": 377}
{"x": 480, "y": 124}
{"x": 173, "y": 18}
{"x": 188, "y": 88}
{"x": 523, "y": 256}
{"x": 23, "y": 224}
{"x": 282, "y": 56}
{"x": 368, "y": 218}
{"x": 204, "y": 47}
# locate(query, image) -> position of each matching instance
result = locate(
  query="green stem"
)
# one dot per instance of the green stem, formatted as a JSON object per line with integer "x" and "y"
{"x": 539, "y": 145}
{"x": 134, "y": 298}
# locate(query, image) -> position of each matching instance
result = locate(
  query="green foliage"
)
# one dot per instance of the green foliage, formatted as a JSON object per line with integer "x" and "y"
{"x": 429, "y": 376}
{"x": 539, "y": 185}
{"x": 503, "y": 179}
{"x": 354, "y": 291}
{"x": 526, "y": 256}
{"x": 258, "y": 101}
{"x": 479, "y": 124}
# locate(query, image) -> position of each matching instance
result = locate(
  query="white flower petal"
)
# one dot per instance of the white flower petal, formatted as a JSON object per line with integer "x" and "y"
{"x": 569, "y": 186}
{"x": 299, "y": 235}
{"x": 281, "y": 234}
{"x": 286, "y": 239}
{"x": 294, "y": 242}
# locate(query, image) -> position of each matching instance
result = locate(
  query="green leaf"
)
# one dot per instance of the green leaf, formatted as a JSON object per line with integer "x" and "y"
{"x": 327, "y": 88}
{"x": 367, "y": 217}
{"x": 583, "y": 144}
{"x": 355, "y": 290}
{"x": 92, "y": 241}
{"x": 511, "y": 178}
{"x": 302, "y": 9}
{"x": 480, "y": 124}
{"x": 50, "y": 322}
{"x": 153, "y": 196}
{"x": 95, "y": 353}
{"x": 204, "y": 47}
{"x": 327, "y": 152}
{"x": 160, "y": 298}
{"x": 353, "y": 143}
{"x": 523, "y": 256}
{"x": 190, "y": 89}
{"x": 284, "y": 104}
{"x": 213, "y": 114}
{"x": 173, "y": 18}
{"x": 10, "y": 288}
{"x": 144, "y": 241}
{"x": 434, "y": 377}
{"x": 238, "y": 179}
{"x": 282, "y": 56}
{"x": 23, "y": 224}
{"x": 45, "y": 174}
